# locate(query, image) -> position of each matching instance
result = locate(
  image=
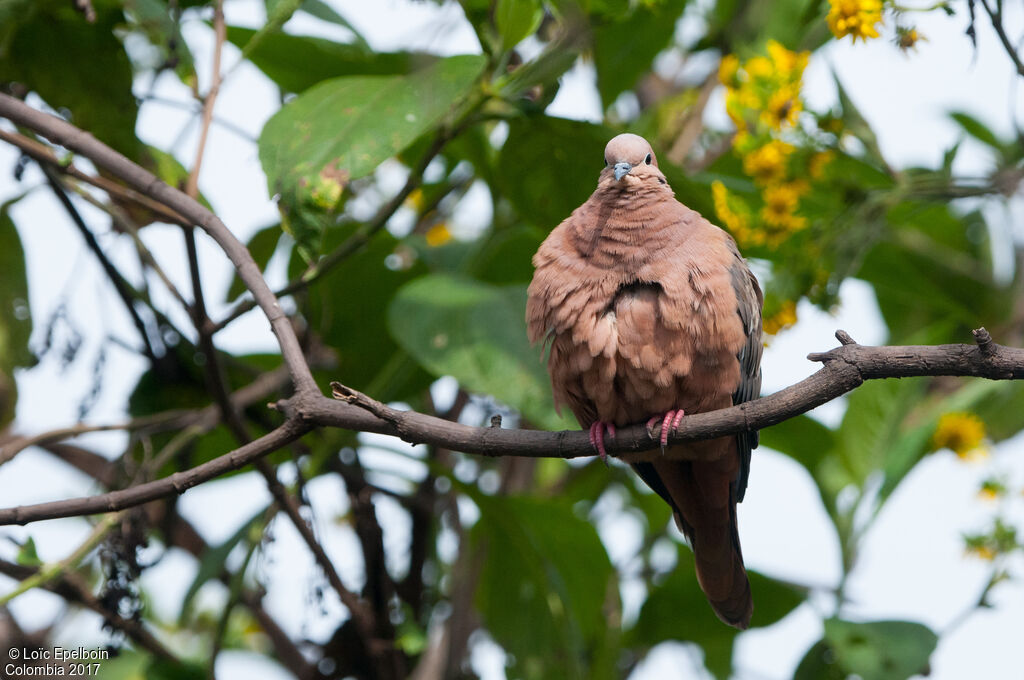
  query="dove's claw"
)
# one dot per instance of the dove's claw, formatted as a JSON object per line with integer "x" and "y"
{"x": 597, "y": 438}
{"x": 669, "y": 423}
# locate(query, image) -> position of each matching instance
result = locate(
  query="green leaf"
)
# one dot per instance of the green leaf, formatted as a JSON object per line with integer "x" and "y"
{"x": 878, "y": 650}
{"x": 211, "y": 564}
{"x": 802, "y": 438}
{"x": 506, "y": 256}
{"x": 677, "y": 610}
{"x": 516, "y": 19}
{"x": 261, "y": 246}
{"x": 872, "y": 424}
{"x": 79, "y": 66}
{"x": 15, "y": 314}
{"x": 342, "y": 129}
{"x": 975, "y": 128}
{"x": 354, "y": 324}
{"x": 549, "y": 166}
{"x": 28, "y": 555}
{"x": 321, "y": 10}
{"x": 476, "y": 333}
{"x": 625, "y": 50}
{"x": 297, "y": 62}
{"x": 545, "y": 587}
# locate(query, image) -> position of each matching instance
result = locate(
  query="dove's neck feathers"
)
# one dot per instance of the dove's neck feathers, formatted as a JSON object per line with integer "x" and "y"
{"x": 622, "y": 225}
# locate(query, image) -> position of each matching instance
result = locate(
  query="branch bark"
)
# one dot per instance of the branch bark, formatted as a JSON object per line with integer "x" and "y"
{"x": 845, "y": 368}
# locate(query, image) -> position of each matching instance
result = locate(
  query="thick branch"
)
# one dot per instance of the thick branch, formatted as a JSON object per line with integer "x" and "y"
{"x": 177, "y": 483}
{"x": 846, "y": 368}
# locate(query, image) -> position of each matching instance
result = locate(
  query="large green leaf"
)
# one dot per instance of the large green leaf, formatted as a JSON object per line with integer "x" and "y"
{"x": 549, "y": 166}
{"x": 516, "y": 19}
{"x": 476, "y": 333}
{"x": 625, "y": 50}
{"x": 545, "y": 587}
{"x": 76, "y": 65}
{"x": 350, "y": 314}
{"x": 261, "y": 246}
{"x": 802, "y": 438}
{"x": 15, "y": 315}
{"x": 297, "y": 62}
{"x": 677, "y": 610}
{"x": 878, "y": 650}
{"x": 342, "y": 129}
{"x": 873, "y": 424}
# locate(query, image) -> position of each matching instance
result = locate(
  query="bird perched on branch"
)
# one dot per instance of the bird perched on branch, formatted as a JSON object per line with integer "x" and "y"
{"x": 651, "y": 313}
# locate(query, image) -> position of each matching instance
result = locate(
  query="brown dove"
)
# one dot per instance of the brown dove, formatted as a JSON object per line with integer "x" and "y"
{"x": 651, "y": 312}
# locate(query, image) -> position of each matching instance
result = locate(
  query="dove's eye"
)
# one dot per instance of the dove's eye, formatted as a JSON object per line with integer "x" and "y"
{"x": 648, "y": 159}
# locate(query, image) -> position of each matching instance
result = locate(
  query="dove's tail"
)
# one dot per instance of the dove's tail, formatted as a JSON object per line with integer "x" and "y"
{"x": 703, "y": 495}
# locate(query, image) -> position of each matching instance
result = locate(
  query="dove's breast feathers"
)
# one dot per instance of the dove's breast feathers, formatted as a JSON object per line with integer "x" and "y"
{"x": 641, "y": 313}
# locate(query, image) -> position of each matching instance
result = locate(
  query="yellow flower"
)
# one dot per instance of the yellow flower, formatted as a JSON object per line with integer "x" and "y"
{"x": 438, "y": 235}
{"x": 855, "y": 18}
{"x": 768, "y": 163}
{"x": 991, "y": 490}
{"x": 780, "y": 204}
{"x": 416, "y": 199}
{"x": 728, "y": 70}
{"x": 782, "y": 319}
{"x": 789, "y": 65}
{"x": 783, "y": 107}
{"x": 984, "y": 552}
{"x": 963, "y": 433}
{"x": 819, "y": 162}
{"x": 735, "y": 222}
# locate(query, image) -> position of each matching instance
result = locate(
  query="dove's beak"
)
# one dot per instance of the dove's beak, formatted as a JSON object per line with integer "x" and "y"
{"x": 621, "y": 170}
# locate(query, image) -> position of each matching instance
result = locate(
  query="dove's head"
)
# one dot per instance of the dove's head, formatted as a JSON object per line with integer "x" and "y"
{"x": 630, "y": 163}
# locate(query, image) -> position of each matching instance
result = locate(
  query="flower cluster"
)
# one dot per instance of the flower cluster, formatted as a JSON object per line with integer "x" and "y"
{"x": 781, "y": 318}
{"x": 962, "y": 433}
{"x": 763, "y": 100}
{"x": 1001, "y": 539}
{"x": 856, "y": 18}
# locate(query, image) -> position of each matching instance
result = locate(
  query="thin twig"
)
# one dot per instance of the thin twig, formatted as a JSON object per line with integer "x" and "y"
{"x": 128, "y": 226}
{"x": 67, "y": 135}
{"x": 157, "y": 422}
{"x": 996, "y": 16}
{"x": 41, "y": 153}
{"x": 178, "y": 483}
{"x": 220, "y": 34}
{"x": 123, "y": 288}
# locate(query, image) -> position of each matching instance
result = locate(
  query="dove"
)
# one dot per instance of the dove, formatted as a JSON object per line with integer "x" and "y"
{"x": 650, "y": 313}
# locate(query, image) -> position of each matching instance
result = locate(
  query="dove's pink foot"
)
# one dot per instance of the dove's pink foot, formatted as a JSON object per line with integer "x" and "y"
{"x": 597, "y": 437}
{"x": 669, "y": 423}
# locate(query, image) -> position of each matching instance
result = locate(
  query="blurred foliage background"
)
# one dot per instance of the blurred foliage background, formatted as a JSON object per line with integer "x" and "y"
{"x": 389, "y": 297}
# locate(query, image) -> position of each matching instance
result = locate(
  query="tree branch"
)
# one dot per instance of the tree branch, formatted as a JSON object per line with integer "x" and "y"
{"x": 177, "y": 483}
{"x": 846, "y": 368}
{"x": 220, "y": 34}
{"x": 996, "y": 16}
{"x": 67, "y": 135}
